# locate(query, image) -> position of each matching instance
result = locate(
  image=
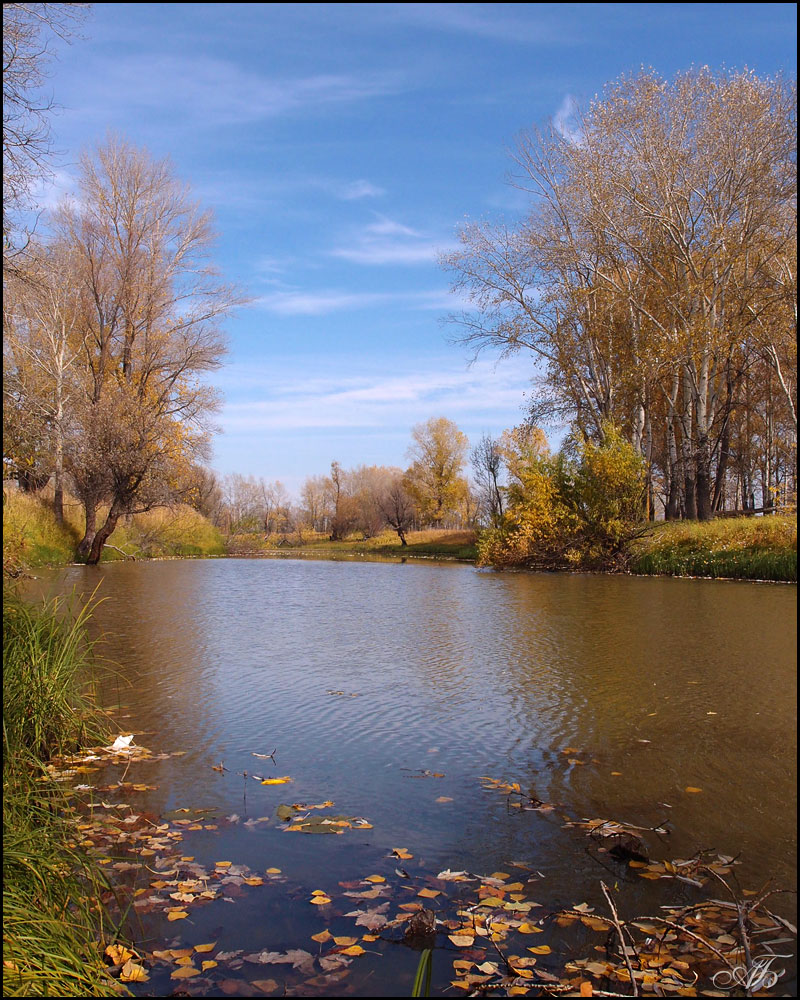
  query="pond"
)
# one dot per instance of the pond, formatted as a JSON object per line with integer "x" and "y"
{"x": 399, "y": 693}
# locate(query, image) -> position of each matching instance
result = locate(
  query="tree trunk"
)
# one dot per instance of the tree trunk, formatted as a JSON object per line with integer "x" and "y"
{"x": 85, "y": 543}
{"x": 103, "y": 535}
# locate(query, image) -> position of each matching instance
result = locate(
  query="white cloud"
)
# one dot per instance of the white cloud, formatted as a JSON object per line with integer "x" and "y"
{"x": 360, "y": 189}
{"x": 566, "y": 121}
{"x": 214, "y": 92}
{"x": 371, "y": 400}
{"x": 388, "y": 242}
{"x": 295, "y": 302}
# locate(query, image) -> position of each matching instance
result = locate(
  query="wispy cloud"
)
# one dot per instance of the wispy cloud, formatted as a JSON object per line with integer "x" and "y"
{"x": 360, "y": 189}
{"x": 371, "y": 400}
{"x": 297, "y": 302}
{"x": 215, "y": 92}
{"x": 388, "y": 242}
{"x": 497, "y": 21}
{"x": 566, "y": 121}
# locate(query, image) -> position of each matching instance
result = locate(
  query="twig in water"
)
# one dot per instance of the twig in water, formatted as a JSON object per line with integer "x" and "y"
{"x": 621, "y": 936}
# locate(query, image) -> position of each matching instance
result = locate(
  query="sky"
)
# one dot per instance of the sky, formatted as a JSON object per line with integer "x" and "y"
{"x": 340, "y": 147}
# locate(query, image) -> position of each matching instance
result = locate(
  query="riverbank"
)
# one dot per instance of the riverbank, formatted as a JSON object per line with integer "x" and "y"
{"x": 54, "y": 930}
{"x": 748, "y": 548}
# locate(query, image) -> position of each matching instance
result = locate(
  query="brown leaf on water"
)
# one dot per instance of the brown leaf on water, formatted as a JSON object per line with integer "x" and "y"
{"x": 692, "y": 790}
{"x": 265, "y": 985}
{"x": 462, "y": 940}
{"x": 345, "y": 942}
{"x": 429, "y": 893}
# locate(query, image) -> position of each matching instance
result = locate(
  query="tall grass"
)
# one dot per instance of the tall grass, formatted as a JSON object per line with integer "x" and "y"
{"x": 53, "y": 924}
{"x": 748, "y": 548}
{"x": 31, "y": 535}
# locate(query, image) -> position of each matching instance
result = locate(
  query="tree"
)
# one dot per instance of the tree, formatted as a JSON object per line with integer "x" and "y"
{"x": 397, "y": 507}
{"x": 28, "y": 29}
{"x": 487, "y": 465}
{"x": 151, "y": 308}
{"x": 434, "y": 479}
{"x": 654, "y": 271}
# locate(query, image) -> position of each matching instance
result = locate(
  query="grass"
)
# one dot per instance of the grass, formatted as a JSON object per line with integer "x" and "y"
{"x": 430, "y": 544}
{"x": 32, "y": 538}
{"x": 747, "y": 548}
{"x": 53, "y": 926}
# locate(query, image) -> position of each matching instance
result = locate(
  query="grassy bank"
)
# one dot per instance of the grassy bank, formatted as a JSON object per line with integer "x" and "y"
{"x": 431, "y": 544}
{"x": 746, "y": 548}
{"x": 53, "y": 926}
{"x": 31, "y": 536}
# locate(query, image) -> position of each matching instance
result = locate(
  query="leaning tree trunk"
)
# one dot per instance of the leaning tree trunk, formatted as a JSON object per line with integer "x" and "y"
{"x": 104, "y": 534}
{"x": 85, "y": 544}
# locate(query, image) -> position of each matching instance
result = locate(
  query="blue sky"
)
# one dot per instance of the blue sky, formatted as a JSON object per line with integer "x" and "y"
{"x": 340, "y": 147}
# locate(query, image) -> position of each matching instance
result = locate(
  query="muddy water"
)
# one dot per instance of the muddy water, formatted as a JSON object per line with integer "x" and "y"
{"x": 656, "y": 684}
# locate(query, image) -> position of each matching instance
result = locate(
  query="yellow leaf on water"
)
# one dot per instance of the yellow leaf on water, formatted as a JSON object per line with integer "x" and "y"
{"x": 692, "y": 789}
{"x": 429, "y": 893}
{"x": 500, "y": 875}
{"x": 276, "y": 781}
{"x": 371, "y": 937}
{"x": 527, "y": 928}
{"x": 375, "y": 878}
{"x": 186, "y": 960}
{"x": 185, "y": 972}
{"x": 209, "y": 964}
{"x": 444, "y": 798}
{"x": 118, "y": 954}
{"x": 254, "y": 880}
{"x": 542, "y": 949}
{"x": 356, "y": 949}
{"x": 177, "y": 915}
{"x": 273, "y": 871}
{"x": 322, "y": 937}
{"x": 345, "y": 942}
{"x": 133, "y": 973}
{"x": 319, "y": 900}
{"x": 462, "y": 940}
{"x": 203, "y": 948}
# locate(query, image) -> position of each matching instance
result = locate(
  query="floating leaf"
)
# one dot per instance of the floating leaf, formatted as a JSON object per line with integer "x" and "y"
{"x": 356, "y": 949}
{"x": 541, "y": 949}
{"x": 118, "y": 954}
{"x": 276, "y": 781}
{"x": 177, "y": 915}
{"x": 345, "y": 942}
{"x": 204, "y": 948}
{"x": 133, "y": 973}
{"x": 265, "y": 985}
{"x": 375, "y": 878}
{"x": 208, "y": 964}
{"x": 462, "y": 940}
{"x": 692, "y": 790}
{"x": 323, "y": 936}
{"x": 429, "y": 893}
{"x": 185, "y": 972}
{"x": 320, "y": 900}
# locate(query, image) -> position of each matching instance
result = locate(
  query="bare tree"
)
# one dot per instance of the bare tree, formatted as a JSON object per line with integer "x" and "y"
{"x": 28, "y": 32}
{"x": 487, "y": 465}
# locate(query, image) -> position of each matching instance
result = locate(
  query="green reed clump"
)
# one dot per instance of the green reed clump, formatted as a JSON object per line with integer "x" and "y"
{"x": 53, "y": 922}
{"x": 47, "y": 706}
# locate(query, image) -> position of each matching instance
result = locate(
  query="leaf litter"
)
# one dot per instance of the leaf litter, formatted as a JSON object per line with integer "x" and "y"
{"x": 490, "y": 920}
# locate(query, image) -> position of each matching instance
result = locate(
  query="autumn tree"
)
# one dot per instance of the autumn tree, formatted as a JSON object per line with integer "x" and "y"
{"x": 654, "y": 272}
{"x": 487, "y": 467}
{"x": 151, "y": 305}
{"x": 434, "y": 479}
{"x": 28, "y": 33}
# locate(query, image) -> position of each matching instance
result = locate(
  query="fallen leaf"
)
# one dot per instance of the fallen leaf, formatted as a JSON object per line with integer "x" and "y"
{"x": 356, "y": 949}
{"x": 208, "y": 964}
{"x": 375, "y": 878}
{"x": 323, "y": 936}
{"x": 462, "y": 940}
{"x": 345, "y": 941}
{"x": 541, "y": 949}
{"x": 185, "y": 972}
{"x": 265, "y": 985}
{"x": 133, "y": 973}
{"x": 177, "y": 915}
{"x": 276, "y": 781}
{"x": 203, "y": 948}
{"x": 691, "y": 789}
{"x": 118, "y": 954}
{"x": 429, "y": 893}
{"x": 320, "y": 900}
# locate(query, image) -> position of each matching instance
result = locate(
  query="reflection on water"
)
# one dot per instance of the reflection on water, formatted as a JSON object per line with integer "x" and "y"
{"x": 673, "y": 683}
